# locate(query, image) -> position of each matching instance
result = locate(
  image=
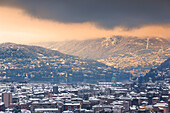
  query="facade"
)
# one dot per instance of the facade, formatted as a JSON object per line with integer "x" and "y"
{"x": 2, "y": 106}
{"x": 55, "y": 89}
{"x": 71, "y": 106}
{"x": 46, "y": 110}
{"x": 7, "y": 99}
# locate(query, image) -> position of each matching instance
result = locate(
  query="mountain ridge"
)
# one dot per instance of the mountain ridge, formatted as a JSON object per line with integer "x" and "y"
{"x": 131, "y": 54}
{"x": 162, "y": 72}
{"x": 20, "y": 62}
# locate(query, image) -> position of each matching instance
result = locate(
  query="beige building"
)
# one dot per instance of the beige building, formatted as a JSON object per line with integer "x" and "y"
{"x": 7, "y": 99}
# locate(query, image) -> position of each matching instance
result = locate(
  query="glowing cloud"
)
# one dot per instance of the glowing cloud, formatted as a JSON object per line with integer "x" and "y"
{"x": 17, "y": 26}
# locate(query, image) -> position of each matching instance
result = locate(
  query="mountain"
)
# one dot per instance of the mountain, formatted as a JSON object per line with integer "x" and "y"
{"x": 23, "y": 62}
{"x": 162, "y": 72}
{"x": 12, "y": 50}
{"x": 131, "y": 54}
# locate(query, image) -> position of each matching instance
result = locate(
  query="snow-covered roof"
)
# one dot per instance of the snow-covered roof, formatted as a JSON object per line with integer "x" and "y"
{"x": 45, "y": 109}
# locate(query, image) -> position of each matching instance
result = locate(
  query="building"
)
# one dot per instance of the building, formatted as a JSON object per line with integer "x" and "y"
{"x": 169, "y": 104}
{"x": 71, "y": 106}
{"x": 2, "y": 106}
{"x": 46, "y": 110}
{"x": 7, "y": 99}
{"x": 55, "y": 89}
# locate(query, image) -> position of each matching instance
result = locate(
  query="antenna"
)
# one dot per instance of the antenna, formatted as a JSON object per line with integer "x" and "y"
{"x": 147, "y": 44}
{"x": 66, "y": 76}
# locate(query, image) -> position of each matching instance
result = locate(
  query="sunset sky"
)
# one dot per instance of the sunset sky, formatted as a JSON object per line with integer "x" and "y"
{"x": 27, "y": 21}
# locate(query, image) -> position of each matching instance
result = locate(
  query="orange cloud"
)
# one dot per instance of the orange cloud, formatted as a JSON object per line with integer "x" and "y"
{"x": 17, "y": 26}
{"x": 145, "y": 31}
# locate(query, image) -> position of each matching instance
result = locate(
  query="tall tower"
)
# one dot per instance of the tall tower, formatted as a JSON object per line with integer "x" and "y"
{"x": 66, "y": 77}
{"x": 147, "y": 44}
{"x": 55, "y": 89}
{"x": 169, "y": 104}
{"x": 114, "y": 80}
{"x": 7, "y": 99}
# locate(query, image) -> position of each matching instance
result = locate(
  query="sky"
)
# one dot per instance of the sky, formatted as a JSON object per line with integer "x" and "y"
{"x": 29, "y": 21}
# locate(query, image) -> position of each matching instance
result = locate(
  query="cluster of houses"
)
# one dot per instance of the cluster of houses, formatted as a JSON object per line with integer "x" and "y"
{"x": 58, "y": 69}
{"x": 103, "y": 97}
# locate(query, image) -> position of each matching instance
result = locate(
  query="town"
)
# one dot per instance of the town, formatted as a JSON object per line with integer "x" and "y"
{"x": 47, "y": 65}
{"x": 102, "y": 97}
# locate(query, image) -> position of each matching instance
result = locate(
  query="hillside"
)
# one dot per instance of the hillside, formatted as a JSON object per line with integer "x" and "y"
{"x": 11, "y": 50}
{"x": 22, "y": 62}
{"x": 162, "y": 72}
{"x": 132, "y": 54}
